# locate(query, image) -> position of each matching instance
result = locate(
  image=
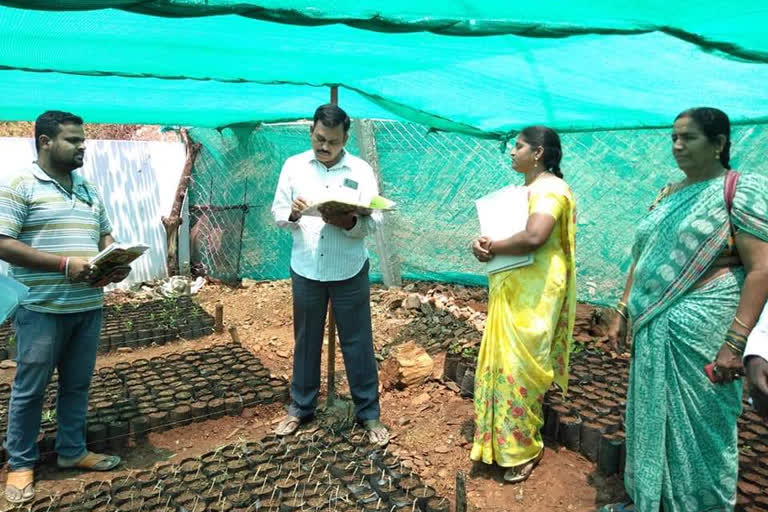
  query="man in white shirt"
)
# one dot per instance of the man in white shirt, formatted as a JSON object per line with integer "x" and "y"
{"x": 756, "y": 364}
{"x": 329, "y": 261}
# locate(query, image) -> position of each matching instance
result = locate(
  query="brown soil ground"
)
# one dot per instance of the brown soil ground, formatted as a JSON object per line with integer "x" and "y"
{"x": 430, "y": 424}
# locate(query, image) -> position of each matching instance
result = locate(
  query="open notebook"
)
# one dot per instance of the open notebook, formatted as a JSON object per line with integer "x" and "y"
{"x": 341, "y": 200}
{"x": 113, "y": 256}
{"x": 504, "y": 213}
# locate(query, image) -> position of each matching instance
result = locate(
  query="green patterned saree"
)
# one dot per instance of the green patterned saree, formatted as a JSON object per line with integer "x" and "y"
{"x": 681, "y": 429}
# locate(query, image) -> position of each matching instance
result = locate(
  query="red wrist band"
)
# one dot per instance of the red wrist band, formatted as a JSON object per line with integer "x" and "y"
{"x": 62, "y": 263}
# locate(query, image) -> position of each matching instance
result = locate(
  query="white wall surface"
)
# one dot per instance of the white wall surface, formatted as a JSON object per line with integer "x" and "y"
{"x": 136, "y": 179}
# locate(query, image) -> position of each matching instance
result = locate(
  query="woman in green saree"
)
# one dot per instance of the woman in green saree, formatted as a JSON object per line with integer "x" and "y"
{"x": 698, "y": 283}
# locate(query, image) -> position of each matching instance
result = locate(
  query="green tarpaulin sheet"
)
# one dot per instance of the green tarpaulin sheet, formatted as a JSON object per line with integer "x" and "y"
{"x": 734, "y": 27}
{"x": 216, "y": 63}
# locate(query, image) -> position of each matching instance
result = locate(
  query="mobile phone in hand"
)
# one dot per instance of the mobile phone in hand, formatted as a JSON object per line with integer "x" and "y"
{"x": 710, "y": 371}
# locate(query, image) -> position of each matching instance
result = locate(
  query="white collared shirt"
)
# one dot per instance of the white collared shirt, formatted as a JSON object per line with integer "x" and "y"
{"x": 321, "y": 251}
{"x": 757, "y": 343}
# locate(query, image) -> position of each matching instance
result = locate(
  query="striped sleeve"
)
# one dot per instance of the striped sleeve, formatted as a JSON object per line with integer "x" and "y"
{"x": 105, "y": 227}
{"x": 13, "y": 208}
{"x": 281, "y": 205}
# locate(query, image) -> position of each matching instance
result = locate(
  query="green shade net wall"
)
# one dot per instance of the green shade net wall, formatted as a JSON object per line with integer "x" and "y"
{"x": 435, "y": 178}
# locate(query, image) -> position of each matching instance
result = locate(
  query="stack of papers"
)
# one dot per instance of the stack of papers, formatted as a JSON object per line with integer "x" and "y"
{"x": 504, "y": 213}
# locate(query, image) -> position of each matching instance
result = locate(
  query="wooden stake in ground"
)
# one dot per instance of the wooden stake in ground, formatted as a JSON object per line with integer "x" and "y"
{"x": 218, "y": 324}
{"x": 173, "y": 221}
{"x": 461, "y": 492}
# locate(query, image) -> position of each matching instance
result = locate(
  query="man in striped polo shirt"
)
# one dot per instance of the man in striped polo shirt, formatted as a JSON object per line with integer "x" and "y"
{"x": 329, "y": 261}
{"x": 51, "y": 222}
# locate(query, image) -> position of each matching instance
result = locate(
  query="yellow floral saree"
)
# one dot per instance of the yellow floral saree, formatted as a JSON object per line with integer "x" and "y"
{"x": 527, "y": 340}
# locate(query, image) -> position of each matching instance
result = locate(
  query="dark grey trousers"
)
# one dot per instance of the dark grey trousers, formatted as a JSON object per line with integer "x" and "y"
{"x": 350, "y": 300}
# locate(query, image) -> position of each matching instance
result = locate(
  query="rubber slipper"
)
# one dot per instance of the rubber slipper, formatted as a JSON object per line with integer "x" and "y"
{"x": 91, "y": 462}
{"x": 377, "y": 432}
{"x": 522, "y": 472}
{"x": 290, "y": 424}
{"x": 20, "y": 486}
{"x": 625, "y": 506}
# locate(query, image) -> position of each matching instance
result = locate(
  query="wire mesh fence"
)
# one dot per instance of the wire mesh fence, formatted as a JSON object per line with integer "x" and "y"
{"x": 435, "y": 178}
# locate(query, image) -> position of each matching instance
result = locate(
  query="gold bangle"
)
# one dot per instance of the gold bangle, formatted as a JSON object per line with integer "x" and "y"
{"x": 736, "y": 335}
{"x": 741, "y": 344}
{"x": 735, "y": 348}
{"x": 621, "y": 304}
{"x": 739, "y": 322}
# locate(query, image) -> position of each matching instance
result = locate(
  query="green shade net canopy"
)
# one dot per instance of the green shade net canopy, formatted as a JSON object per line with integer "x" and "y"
{"x": 218, "y": 63}
{"x": 735, "y": 28}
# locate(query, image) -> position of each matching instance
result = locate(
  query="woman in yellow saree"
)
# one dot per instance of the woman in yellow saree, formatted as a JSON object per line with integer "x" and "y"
{"x": 528, "y": 334}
